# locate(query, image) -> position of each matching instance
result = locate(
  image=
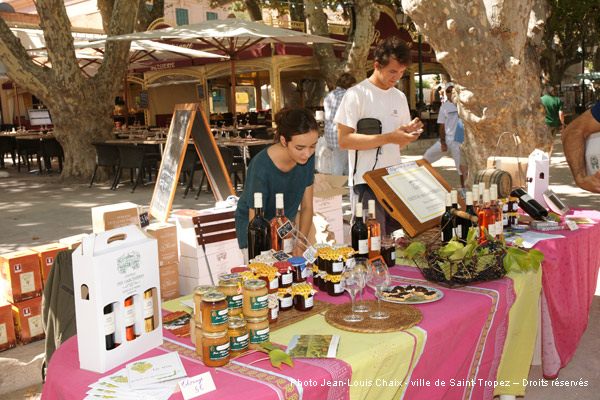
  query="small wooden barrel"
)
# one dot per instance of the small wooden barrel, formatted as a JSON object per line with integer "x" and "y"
{"x": 501, "y": 178}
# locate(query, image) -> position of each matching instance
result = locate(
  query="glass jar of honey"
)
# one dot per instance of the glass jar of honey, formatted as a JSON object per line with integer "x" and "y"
{"x": 215, "y": 348}
{"x": 214, "y": 312}
{"x": 197, "y": 335}
{"x": 286, "y": 299}
{"x": 231, "y": 286}
{"x": 256, "y": 301}
{"x": 238, "y": 336}
{"x": 258, "y": 329}
{"x": 198, "y": 292}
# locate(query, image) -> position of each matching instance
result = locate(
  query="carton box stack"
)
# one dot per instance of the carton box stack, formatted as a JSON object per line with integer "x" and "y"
{"x": 8, "y": 339}
{"x": 46, "y": 255}
{"x": 105, "y": 218}
{"x": 206, "y": 238}
{"x": 168, "y": 258}
{"x": 22, "y": 288}
{"x": 72, "y": 242}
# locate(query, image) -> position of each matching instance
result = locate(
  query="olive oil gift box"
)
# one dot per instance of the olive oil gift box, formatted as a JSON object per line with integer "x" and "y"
{"x": 21, "y": 275}
{"x": 113, "y": 273}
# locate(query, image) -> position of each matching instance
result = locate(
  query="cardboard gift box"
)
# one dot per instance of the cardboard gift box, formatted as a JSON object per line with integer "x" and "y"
{"x": 108, "y": 268}
{"x": 8, "y": 340}
{"x": 21, "y": 272}
{"x": 169, "y": 282}
{"x": 112, "y": 216}
{"x": 46, "y": 255}
{"x": 166, "y": 236}
{"x": 72, "y": 242}
{"x": 28, "y": 320}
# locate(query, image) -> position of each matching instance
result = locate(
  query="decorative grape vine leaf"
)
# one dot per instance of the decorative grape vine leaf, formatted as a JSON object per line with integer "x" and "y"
{"x": 276, "y": 355}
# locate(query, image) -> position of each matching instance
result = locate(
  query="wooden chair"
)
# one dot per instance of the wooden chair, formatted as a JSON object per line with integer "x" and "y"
{"x": 26, "y": 150}
{"x": 8, "y": 145}
{"x": 52, "y": 148}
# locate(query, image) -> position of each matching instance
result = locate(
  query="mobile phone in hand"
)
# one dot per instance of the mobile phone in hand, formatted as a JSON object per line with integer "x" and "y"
{"x": 416, "y": 132}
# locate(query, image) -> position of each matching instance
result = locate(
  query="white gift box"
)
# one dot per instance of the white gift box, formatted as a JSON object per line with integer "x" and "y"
{"x": 112, "y": 266}
{"x": 538, "y": 171}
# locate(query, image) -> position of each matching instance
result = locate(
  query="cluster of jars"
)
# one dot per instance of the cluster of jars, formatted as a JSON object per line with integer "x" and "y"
{"x": 220, "y": 332}
{"x": 510, "y": 212}
{"x": 293, "y": 290}
{"x": 328, "y": 267}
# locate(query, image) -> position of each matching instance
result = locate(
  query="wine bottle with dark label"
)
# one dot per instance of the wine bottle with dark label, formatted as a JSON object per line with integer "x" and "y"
{"x": 529, "y": 204}
{"x": 374, "y": 229}
{"x": 360, "y": 233}
{"x": 259, "y": 230}
{"x": 109, "y": 326}
{"x": 447, "y": 223}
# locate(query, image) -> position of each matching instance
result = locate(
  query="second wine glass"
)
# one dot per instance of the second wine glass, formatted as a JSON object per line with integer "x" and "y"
{"x": 362, "y": 262}
{"x": 378, "y": 277}
{"x": 352, "y": 280}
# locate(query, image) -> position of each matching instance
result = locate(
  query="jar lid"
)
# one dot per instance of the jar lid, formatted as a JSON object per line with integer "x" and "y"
{"x": 230, "y": 280}
{"x": 214, "y": 335}
{"x": 297, "y": 261}
{"x": 257, "y": 319}
{"x": 236, "y": 322}
{"x": 283, "y": 266}
{"x": 255, "y": 284}
{"x": 204, "y": 289}
{"x": 213, "y": 297}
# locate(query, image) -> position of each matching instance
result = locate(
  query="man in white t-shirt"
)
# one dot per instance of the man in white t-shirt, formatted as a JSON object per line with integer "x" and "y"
{"x": 377, "y": 97}
{"x": 447, "y": 122}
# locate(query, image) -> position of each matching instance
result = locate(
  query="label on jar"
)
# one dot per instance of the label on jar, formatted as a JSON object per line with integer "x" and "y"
{"x": 309, "y": 302}
{"x": 286, "y": 301}
{"x": 304, "y": 273}
{"x": 35, "y": 326}
{"x": 286, "y": 279}
{"x": 219, "y": 317}
{"x": 363, "y": 246}
{"x": 235, "y": 301}
{"x": 258, "y": 303}
{"x": 3, "y": 334}
{"x": 274, "y": 312}
{"x": 148, "y": 308}
{"x": 375, "y": 243}
{"x": 27, "y": 282}
{"x": 288, "y": 245}
{"x": 218, "y": 352}
{"x": 274, "y": 284}
{"x": 337, "y": 267}
{"x": 337, "y": 288}
{"x": 239, "y": 342}
{"x": 259, "y": 335}
{"x": 109, "y": 323}
{"x": 505, "y": 219}
{"x": 129, "y": 315}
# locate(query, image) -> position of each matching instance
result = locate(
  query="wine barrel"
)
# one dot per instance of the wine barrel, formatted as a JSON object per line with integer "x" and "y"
{"x": 501, "y": 178}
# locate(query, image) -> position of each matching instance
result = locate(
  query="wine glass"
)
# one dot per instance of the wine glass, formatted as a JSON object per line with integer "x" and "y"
{"x": 378, "y": 277}
{"x": 362, "y": 262}
{"x": 352, "y": 281}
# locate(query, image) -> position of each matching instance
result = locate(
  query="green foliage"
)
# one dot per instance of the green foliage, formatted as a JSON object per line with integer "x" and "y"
{"x": 276, "y": 355}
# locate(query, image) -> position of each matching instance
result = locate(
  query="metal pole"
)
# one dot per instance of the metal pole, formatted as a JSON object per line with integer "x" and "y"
{"x": 17, "y": 104}
{"x": 420, "y": 77}
{"x": 583, "y": 73}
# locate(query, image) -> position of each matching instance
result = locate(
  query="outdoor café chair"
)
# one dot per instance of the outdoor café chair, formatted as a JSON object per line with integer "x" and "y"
{"x": 107, "y": 155}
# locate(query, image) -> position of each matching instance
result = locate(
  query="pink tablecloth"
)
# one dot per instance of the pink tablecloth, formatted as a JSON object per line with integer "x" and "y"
{"x": 569, "y": 276}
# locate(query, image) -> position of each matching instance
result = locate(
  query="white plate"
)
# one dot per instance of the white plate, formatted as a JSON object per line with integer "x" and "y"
{"x": 413, "y": 299}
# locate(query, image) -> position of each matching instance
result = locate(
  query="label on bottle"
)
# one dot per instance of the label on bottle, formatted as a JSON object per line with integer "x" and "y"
{"x": 375, "y": 243}
{"x": 286, "y": 302}
{"x": 3, "y": 334}
{"x": 148, "y": 308}
{"x": 337, "y": 288}
{"x": 309, "y": 302}
{"x": 363, "y": 246}
{"x": 218, "y": 352}
{"x": 35, "y": 325}
{"x": 27, "y": 282}
{"x": 259, "y": 335}
{"x": 109, "y": 323}
{"x": 239, "y": 343}
{"x": 235, "y": 301}
{"x": 258, "y": 303}
{"x": 393, "y": 255}
{"x": 129, "y": 315}
{"x": 274, "y": 284}
{"x": 274, "y": 312}
{"x": 457, "y": 231}
{"x": 499, "y": 228}
{"x": 491, "y": 229}
{"x": 526, "y": 197}
{"x": 286, "y": 279}
{"x": 288, "y": 245}
{"x": 219, "y": 317}
{"x": 337, "y": 267}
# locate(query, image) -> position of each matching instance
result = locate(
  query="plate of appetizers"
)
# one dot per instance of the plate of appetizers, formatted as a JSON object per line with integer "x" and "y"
{"x": 411, "y": 294}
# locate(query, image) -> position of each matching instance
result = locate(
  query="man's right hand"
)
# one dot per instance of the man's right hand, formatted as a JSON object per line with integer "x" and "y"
{"x": 589, "y": 182}
{"x": 444, "y": 146}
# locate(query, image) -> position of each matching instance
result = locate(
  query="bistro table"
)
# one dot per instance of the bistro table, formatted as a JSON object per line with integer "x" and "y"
{"x": 244, "y": 144}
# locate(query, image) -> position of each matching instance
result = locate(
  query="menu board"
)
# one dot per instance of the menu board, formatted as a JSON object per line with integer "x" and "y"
{"x": 188, "y": 121}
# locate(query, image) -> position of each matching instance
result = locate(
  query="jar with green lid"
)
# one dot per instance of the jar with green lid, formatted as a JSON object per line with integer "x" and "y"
{"x": 255, "y": 298}
{"x": 231, "y": 285}
{"x": 238, "y": 336}
{"x": 215, "y": 348}
{"x": 258, "y": 329}
{"x": 214, "y": 312}
{"x": 198, "y": 292}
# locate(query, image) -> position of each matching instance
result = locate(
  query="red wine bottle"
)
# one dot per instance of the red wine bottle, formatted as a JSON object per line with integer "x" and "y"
{"x": 465, "y": 223}
{"x": 259, "y": 230}
{"x": 529, "y": 204}
{"x": 109, "y": 326}
{"x": 360, "y": 233}
{"x": 447, "y": 223}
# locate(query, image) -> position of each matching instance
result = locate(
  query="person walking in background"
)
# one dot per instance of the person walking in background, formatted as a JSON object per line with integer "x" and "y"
{"x": 555, "y": 117}
{"x": 331, "y": 105}
{"x": 451, "y": 134}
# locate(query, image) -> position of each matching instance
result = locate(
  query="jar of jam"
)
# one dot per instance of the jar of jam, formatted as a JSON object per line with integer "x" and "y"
{"x": 323, "y": 281}
{"x": 286, "y": 276}
{"x": 335, "y": 267}
{"x": 333, "y": 286}
{"x": 215, "y": 348}
{"x": 258, "y": 329}
{"x": 315, "y": 274}
{"x": 303, "y": 296}
{"x": 196, "y": 334}
{"x": 299, "y": 269}
{"x": 198, "y": 292}
{"x": 238, "y": 336}
{"x": 256, "y": 300}
{"x": 269, "y": 274}
{"x": 231, "y": 286}
{"x": 388, "y": 251}
{"x": 214, "y": 312}
{"x": 273, "y": 307}
{"x": 286, "y": 299}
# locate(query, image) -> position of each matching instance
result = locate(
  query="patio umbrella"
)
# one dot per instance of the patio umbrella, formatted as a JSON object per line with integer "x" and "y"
{"x": 230, "y": 36}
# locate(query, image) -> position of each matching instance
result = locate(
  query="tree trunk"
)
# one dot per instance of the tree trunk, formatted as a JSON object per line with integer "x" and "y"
{"x": 491, "y": 48}
{"x": 253, "y": 10}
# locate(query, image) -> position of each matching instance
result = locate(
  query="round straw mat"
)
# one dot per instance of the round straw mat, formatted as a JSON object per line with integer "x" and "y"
{"x": 402, "y": 316}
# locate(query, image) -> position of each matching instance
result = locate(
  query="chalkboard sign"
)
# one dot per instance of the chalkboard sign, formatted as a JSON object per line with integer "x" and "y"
{"x": 188, "y": 119}
{"x": 144, "y": 99}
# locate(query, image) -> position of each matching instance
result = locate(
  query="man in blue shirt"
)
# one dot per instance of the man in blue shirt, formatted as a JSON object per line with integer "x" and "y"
{"x": 331, "y": 105}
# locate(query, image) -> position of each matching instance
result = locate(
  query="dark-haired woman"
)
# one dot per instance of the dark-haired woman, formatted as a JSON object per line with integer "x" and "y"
{"x": 288, "y": 167}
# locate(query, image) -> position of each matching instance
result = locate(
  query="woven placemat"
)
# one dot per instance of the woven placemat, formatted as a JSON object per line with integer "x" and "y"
{"x": 286, "y": 318}
{"x": 402, "y": 316}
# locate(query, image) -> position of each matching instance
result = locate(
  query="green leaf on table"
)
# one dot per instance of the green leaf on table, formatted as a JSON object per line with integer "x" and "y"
{"x": 415, "y": 248}
{"x": 519, "y": 242}
{"x": 278, "y": 356}
{"x": 484, "y": 261}
{"x": 450, "y": 248}
{"x": 461, "y": 252}
{"x": 471, "y": 235}
{"x": 269, "y": 346}
{"x": 446, "y": 268}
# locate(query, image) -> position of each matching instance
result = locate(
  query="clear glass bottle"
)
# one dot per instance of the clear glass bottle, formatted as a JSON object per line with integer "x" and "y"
{"x": 496, "y": 207}
{"x": 475, "y": 194}
{"x": 374, "y": 230}
{"x": 360, "y": 233}
{"x": 129, "y": 319}
{"x": 259, "y": 230}
{"x": 486, "y": 217}
{"x": 148, "y": 311}
{"x": 285, "y": 244}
